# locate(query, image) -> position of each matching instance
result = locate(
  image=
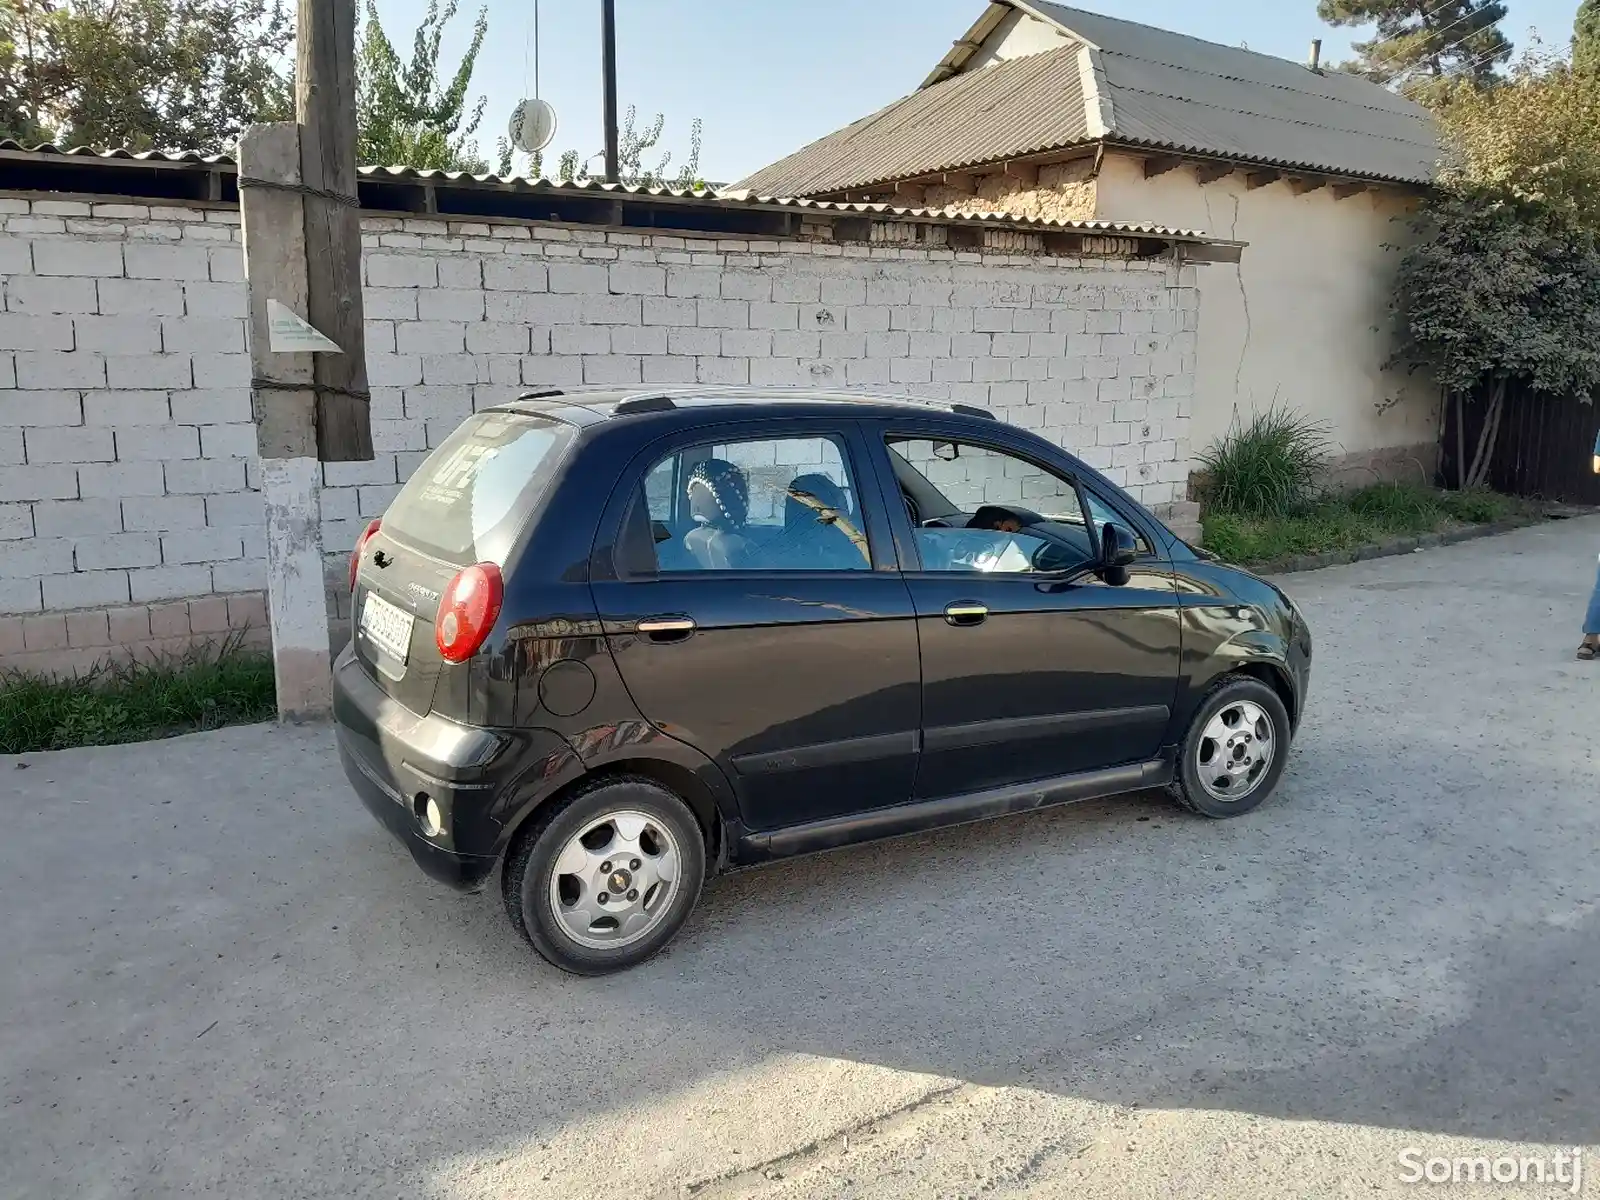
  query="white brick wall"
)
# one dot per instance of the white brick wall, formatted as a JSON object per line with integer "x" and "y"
{"x": 127, "y": 470}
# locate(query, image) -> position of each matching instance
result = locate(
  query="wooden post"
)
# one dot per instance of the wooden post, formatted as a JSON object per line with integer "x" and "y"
{"x": 608, "y": 72}
{"x": 325, "y": 106}
{"x": 285, "y": 409}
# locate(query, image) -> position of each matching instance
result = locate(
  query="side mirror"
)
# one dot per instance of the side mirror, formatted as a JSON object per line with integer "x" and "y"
{"x": 1118, "y": 550}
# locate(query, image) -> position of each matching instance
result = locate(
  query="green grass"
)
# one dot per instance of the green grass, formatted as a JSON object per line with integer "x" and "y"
{"x": 1270, "y": 465}
{"x": 1370, "y": 516}
{"x": 205, "y": 688}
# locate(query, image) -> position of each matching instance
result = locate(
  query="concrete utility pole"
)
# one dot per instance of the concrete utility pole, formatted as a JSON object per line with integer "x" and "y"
{"x": 302, "y": 245}
{"x": 608, "y": 73}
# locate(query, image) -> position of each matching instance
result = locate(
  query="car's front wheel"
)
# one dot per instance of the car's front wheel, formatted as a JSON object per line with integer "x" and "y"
{"x": 1235, "y": 750}
{"x": 607, "y": 877}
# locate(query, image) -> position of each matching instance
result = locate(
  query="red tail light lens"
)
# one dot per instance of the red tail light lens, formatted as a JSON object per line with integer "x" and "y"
{"x": 468, "y": 610}
{"x": 361, "y": 544}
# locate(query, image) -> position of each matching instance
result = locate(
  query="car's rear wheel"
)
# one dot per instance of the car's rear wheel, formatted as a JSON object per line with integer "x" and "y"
{"x": 1235, "y": 750}
{"x": 607, "y": 877}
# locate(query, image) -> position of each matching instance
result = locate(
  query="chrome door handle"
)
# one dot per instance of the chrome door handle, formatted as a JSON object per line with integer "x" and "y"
{"x": 966, "y": 613}
{"x": 658, "y": 626}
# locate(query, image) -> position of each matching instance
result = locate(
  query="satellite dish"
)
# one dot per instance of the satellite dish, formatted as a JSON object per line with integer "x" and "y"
{"x": 533, "y": 125}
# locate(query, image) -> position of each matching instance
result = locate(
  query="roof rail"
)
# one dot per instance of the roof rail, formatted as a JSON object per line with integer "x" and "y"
{"x": 969, "y": 410}
{"x": 643, "y": 404}
{"x": 541, "y": 394}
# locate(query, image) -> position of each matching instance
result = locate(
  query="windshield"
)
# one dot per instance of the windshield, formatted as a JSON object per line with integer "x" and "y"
{"x": 471, "y": 495}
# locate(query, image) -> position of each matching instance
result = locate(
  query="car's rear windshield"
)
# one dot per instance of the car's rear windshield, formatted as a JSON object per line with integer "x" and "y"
{"x": 469, "y": 498}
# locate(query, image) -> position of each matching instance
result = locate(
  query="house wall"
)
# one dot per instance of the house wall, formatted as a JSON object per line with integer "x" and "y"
{"x": 1302, "y": 321}
{"x": 1060, "y": 192}
{"x": 1017, "y": 36}
{"x": 129, "y": 486}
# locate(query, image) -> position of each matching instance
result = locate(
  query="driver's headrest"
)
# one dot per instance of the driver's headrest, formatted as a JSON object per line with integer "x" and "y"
{"x": 719, "y": 494}
{"x": 806, "y": 494}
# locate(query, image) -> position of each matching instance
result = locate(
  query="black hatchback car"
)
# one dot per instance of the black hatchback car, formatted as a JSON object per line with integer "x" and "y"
{"x": 621, "y": 641}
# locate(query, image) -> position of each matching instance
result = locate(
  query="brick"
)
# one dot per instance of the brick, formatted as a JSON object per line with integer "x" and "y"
{"x": 400, "y": 271}
{"x": 16, "y": 522}
{"x": 866, "y": 372}
{"x": 247, "y": 612}
{"x": 516, "y": 276}
{"x": 452, "y": 401}
{"x": 393, "y": 370}
{"x": 77, "y": 257}
{"x": 76, "y": 518}
{"x": 11, "y": 448}
{"x": 612, "y": 368}
{"x": 215, "y": 301}
{"x": 36, "y": 483}
{"x": 238, "y": 575}
{"x": 139, "y": 297}
{"x": 864, "y": 319}
{"x": 694, "y": 282}
{"x": 8, "y": 372}
{"x": 580, "y": 339}
{"x": 202, "y": 546}
{"x": 170, "y": 620}
{"x": 910, "y": 370}
{"x": 843, "y": 292}
{"x": 580, "y": 278}
{"x": 118, "y": 334}
{"x": 40, "y": 408}
{"x": 129, "y": 626}
{"x": 746, "y": 343}
{"x": 554, "y": 370}
{"x": 150, "y": 371}
{"x": 155, "y": 443}
{"x": 19, "y": 596}
{"x": 238, "y": 510}
{"x": 389, "y": 304}
{"x": 453, "y": 369}
{"x": 35, "y": 557}
{"x": 51, "y": 444}
{"x": 694, "y": 341}
{"x": 638, "y": 279}
{"x": 463, "y": 272}
{"x": 639, "y": 339}
{"x": 380, "y": 470}
{"x": 497, "y": 338}
{"x": 49, "y": 369}
{"x": 16, "y": 256}
{"x": 209, "y": 615}
{"x": 774, "y": 316}
{"x": 215, "y": 335}
{"x": 221, "y": 370}
{"x": 662, "y": 368}
{"x": 227, "y": 264}
{"x": 722, "y": 371}
{"x": 157, "y": 261}
{"x": 112, "y": 481}
{"x": 88, "y": 629}
{"x": 228, "y": 441}
{"x": 450, "y": 304}
{"x": 430, "y": 337}
{"x": 126, "y": 408}
{"x": 47, "y": 632}
{"x": 168, "y": 583}
{"x": 25, "y": 331}
{"x": 110, "y": 551}
{"x": 662, "y": 310}
{"x": 371, "y": 501}
{"x": 205, "y": 476}
{"x": 722, "y": 314}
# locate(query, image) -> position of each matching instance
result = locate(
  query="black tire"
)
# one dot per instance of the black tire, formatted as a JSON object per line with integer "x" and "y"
{"x": 1228, "y": 692}
{"x": 526, "y": 881}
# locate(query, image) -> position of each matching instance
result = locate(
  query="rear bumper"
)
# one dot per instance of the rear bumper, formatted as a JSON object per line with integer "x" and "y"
{"x": 396, "y": 761}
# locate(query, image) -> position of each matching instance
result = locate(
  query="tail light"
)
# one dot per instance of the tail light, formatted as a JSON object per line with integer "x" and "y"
{"x": 467, "y": 611}
{"x": 361, "y": 544}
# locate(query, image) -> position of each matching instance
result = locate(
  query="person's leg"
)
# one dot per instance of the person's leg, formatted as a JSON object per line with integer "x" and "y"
{"x": 1591, "y": 624}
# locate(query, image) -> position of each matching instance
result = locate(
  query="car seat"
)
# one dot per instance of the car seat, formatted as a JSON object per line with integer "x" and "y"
{"x": 719, "y": 501}
{"x": 811, "y": 540}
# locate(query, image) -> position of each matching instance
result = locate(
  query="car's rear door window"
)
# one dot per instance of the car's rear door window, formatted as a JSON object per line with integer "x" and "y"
{"x": 467, "y": 502}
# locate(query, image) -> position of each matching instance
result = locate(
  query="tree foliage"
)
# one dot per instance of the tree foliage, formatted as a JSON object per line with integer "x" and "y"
{"x": 1419, "y": 42}
{"x": 407, "y": 113}
{"x": 1501, "y": 279}
{"x": 633, "y": 144}
{"x": 142, "y": 74}
{"x": 1586, "y": 38}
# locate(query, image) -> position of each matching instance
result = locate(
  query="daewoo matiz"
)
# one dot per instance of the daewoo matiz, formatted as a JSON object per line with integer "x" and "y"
{"x": 620, "y": 641}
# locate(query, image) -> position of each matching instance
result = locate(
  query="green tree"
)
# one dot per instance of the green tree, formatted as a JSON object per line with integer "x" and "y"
{"x": 142, "y": 74}
{"x": 1419, "y": 42}
{"x": 407, "y": 115}
{"x": 1586, "y": 38}
{"x": 633, "y": 144}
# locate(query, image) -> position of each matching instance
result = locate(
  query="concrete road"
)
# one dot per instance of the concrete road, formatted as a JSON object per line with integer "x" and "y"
{"x": 221, "y": 979}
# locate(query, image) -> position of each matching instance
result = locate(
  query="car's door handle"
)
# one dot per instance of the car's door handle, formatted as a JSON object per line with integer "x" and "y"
{"x": 966, "y": 613}
{"x": 666, "y": 629}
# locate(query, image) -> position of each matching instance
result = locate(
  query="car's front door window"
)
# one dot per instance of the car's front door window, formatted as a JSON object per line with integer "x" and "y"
{"x": 978, "y": 509}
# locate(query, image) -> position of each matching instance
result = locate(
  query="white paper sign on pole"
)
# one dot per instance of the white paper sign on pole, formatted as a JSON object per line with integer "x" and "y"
{"x": 289, "y": 333}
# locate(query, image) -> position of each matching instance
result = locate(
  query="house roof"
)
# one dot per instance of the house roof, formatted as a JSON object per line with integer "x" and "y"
{"x": 1125, "y": 84}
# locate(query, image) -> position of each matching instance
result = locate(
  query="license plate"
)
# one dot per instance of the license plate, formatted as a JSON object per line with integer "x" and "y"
{"x": 387, "y": 626}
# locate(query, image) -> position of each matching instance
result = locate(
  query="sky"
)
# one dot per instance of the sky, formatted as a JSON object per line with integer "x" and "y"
{"x": 767, "y": 76}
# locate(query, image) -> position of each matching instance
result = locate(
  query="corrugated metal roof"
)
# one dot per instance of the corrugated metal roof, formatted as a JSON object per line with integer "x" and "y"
{"x": 1155, "y": 88}
{"x": 729, "y": 198}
